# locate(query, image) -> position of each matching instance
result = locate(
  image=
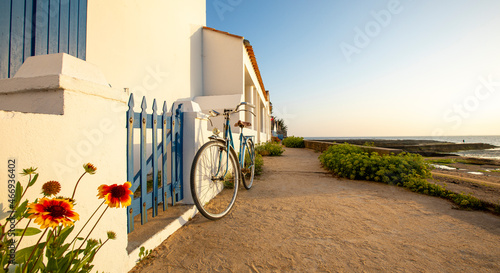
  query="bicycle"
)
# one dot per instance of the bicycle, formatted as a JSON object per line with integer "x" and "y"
{"x": 216, "y": 169}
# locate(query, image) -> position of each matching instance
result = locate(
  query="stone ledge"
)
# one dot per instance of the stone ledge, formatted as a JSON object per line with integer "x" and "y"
{"x": 41, "y": 82}
{"x": 45, "y": 94}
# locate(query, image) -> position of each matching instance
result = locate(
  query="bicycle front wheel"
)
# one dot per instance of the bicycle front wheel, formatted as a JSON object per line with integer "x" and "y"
{"x": 248, "y": 169}
{"x": 214, "y": 179}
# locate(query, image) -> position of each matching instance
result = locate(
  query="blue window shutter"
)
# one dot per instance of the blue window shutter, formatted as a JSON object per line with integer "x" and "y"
{"x": 38, "y": 27}
{"x": 5, "y": 15}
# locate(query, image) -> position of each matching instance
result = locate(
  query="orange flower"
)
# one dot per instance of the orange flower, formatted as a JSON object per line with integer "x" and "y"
{"x": 52, "y": 212}
{"x": 116, "y": 195}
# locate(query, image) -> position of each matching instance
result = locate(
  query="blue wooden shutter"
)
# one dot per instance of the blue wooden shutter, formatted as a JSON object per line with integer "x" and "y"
{"x": 38, "y": 27}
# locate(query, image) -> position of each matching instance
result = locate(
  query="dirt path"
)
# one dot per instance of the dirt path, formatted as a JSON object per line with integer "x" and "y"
{"x": 299, "y": 218}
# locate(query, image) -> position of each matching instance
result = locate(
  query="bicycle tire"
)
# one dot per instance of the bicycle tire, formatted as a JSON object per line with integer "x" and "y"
{"x": 214, "y": 189}
{"x": 248, "y": 169}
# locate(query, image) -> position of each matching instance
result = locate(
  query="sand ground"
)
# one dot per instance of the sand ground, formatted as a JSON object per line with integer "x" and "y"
{"x": 299, "y": 218}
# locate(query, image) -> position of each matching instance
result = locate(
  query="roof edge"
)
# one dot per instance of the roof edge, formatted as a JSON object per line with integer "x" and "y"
{"x": 253, "y": 60}
{"x": 223, "y": 32}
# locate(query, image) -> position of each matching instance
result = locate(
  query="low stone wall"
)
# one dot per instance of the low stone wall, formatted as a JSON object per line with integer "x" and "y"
{"x": 321, "y": 146}
{"x": 447, "y": 147}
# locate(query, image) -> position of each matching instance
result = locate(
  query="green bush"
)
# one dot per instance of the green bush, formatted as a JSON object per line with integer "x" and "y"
{"x": 259, "y": 162}
{"x": 268, "y": 148}
{"x": 404, "y": 170}
{"x": 294, "y": 142}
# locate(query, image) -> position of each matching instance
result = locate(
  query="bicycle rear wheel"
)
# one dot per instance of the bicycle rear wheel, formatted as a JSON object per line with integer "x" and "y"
{"x": 214, "y": 179}
{"x": 248, "y": 169}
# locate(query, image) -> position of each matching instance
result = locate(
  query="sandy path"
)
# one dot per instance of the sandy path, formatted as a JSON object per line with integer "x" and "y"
{"x": 299, "y": 218}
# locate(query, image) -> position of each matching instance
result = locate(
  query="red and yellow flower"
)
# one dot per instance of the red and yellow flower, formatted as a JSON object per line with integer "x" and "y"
{"x": 52, "y": 212}
{"x": 116, "y": 195}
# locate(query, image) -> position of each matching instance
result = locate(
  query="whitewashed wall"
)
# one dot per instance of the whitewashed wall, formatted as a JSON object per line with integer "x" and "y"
{"x": 222, "y": 64}
{"x": 90, "y": 129}
{"x": 152, "y": 47}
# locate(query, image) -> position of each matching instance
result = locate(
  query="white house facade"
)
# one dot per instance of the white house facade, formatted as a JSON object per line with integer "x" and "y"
{"x": 65, "y": 87}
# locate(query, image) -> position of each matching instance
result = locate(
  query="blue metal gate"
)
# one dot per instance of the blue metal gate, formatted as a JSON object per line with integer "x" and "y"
{"x": 158, "y": 191}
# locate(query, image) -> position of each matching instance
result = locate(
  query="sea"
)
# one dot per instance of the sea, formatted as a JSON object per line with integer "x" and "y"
{"x": 489, "y": 153}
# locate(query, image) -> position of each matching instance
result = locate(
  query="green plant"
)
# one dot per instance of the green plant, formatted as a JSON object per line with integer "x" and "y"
{"x": 228, "y": 181}
{"x": 442, "y": 161}
{"x": 281, "y": 126}
{"x": 268, "y": 148}
{"x": 56, "y": 218}
{"x": 143, "y": 254}
{"x": 497, "y": 209}
{"x": 294, "y": 142}
{"x": 259, "y": 162}
{"x": 149, "y": 184}
{"x": 404, "y": 170}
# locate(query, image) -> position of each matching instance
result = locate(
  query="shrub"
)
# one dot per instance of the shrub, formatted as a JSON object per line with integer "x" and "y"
{"x": 404, "y": 170}
{"x": 259, "y": 162}
{"x": 294, "y": 142}
{"x": 268, "y": 148}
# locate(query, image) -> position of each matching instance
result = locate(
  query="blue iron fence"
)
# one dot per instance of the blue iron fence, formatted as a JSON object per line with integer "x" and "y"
{"x": 39, "y": 27}
{"x": 158, "y": 191}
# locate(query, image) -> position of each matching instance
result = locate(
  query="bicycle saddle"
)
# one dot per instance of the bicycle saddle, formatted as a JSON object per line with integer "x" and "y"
{"x": 242, "y": 124}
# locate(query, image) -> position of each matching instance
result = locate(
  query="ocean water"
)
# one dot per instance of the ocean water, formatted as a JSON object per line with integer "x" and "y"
{"x": 489, "y": 153}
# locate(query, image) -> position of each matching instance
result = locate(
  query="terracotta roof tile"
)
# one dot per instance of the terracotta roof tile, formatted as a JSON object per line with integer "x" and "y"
{"x": 223, "y": 32}
{"x": 251, "y": 54}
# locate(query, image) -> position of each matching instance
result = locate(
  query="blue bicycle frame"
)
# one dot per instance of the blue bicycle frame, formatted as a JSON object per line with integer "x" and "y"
{"x": 228, "y": 138}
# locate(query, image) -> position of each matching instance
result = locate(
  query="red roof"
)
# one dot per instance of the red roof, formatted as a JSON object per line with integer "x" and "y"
{"x": 256, "y": 68}
{"x": 223, "y": 32}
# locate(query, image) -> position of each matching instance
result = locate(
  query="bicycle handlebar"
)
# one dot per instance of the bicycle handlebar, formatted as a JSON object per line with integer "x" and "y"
{"x": 214, "y": 113}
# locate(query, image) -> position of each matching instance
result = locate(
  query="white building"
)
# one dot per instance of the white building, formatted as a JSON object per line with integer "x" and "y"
{"x": 58, "y": 112}
{"x": 231, "y": 75}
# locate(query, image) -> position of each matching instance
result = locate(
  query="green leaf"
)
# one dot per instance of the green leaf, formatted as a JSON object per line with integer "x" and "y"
{"x": 3, "y": 261}
{"x": 19, "y": 192}
{"x": 20, "y": 210}
{"x": 39, "y": 265}
{"x": 29, "y": 231}
{"x": 63, "y": 264}
{"x": 62, "y": 249}
{"x": 23, "y": 254}
{"x": 64, "y": 234}
{"x": 52, "y": 265}
{"x": 33, "y": 180}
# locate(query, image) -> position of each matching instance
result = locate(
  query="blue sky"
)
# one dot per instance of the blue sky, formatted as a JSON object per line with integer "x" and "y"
{"x": 374, "y": 67}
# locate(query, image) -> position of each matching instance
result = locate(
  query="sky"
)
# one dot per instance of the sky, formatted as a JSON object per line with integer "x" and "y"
{"x": 338, "y": 68}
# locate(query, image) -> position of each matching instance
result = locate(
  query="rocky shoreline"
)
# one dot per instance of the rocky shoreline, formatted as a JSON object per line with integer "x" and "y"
{"x": 422, "y": 147}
